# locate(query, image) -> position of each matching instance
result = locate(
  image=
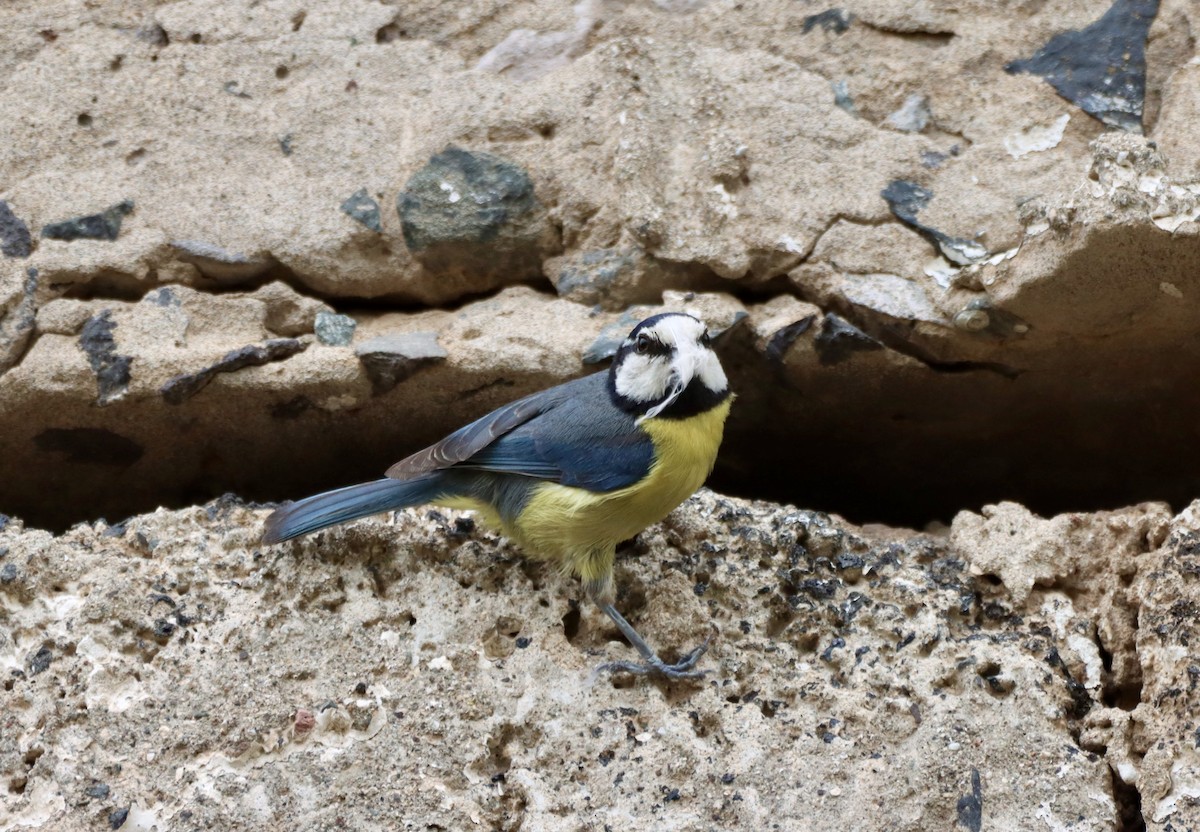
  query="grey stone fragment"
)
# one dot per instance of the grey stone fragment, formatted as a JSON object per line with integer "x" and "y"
{"x": 217, "y": 263}
{"x": 361, "y": 207}
{"x": 838, "y": 339}
{"x": 462, "y": 197}
{"x": 1102, "y": 67}
{"x": 782, "y": 339}
{"x": 112, "y": 370}
{"x": 913, "y": 116}
{"x": 103, "y": 226}
{"x": 589, "y": 275}
{"x": 907, "y": 199}
{"x": 469, "y": 215}
{"x": 390, "y": 359}
{"x": 182, "y": 387}
{"x": 15, "y": 240}
{"x": 835, "y": 21}
{"x": 334, "y": 330}
{"x": 39, "y": 662}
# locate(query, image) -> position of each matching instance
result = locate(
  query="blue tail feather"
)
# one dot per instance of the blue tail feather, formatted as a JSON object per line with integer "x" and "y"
{"x": 350, "y": 503}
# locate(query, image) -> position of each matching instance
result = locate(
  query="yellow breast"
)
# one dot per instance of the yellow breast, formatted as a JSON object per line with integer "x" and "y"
{"x": 564, "y": 522}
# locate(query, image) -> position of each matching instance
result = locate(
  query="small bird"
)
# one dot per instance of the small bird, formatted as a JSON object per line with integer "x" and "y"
{"x": 570, "y": 472}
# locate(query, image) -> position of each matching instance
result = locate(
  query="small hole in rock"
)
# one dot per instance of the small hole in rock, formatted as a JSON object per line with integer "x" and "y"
{"x": 571, "y": 622}
{"x": 83, "y": 120}
{"x": 298, "y": 20}
{"x": 281, "y": 72}
{"x": 389, "y": 33}
{"x": 196, "y": 38}
{"x": 116, "y": 62}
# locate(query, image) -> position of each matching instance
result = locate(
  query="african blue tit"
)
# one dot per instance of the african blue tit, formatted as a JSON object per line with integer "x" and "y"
{"x": 570, "y": 472}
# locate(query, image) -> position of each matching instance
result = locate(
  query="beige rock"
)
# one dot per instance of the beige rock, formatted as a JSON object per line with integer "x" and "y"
{"x": 851, "y": 669}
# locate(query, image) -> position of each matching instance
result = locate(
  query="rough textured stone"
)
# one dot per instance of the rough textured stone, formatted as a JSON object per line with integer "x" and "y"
{"x": 849, "y": 666}
{"x": 472, "y": 213}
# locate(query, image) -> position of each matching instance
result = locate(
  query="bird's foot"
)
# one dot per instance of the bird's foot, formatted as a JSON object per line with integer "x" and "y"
{"x": 682, "y": 669}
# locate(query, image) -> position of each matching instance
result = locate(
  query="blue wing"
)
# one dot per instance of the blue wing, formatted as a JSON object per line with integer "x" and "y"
{"x": 571, "y": 434}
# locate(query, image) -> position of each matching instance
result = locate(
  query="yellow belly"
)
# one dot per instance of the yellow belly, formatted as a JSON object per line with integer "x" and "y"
{"x": 582, "y": 528}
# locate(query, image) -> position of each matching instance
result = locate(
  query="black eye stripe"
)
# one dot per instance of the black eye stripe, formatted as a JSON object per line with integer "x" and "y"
{"x": 647, "y": 344}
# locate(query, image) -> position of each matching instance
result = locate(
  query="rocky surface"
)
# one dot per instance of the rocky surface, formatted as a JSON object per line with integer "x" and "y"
{"x": 1008, "y": 672}
{"x": 951, "y": 238}
{"x": 270, "y": 248}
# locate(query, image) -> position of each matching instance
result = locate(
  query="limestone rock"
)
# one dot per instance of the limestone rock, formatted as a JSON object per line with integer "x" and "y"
{"x": 869, "y": 663}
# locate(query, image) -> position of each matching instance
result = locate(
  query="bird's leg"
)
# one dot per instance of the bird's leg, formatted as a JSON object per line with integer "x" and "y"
{"x": 651, "y": 664}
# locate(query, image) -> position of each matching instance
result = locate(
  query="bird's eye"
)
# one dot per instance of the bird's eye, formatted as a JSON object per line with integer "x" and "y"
{"x": 642, "y": 345}
{"x": 706, "y": 339}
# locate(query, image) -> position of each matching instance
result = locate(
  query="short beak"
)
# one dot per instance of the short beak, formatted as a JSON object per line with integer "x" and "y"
{"x": 681, "y": 376}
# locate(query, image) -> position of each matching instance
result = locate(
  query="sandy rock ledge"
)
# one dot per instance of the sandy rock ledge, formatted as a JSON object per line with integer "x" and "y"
{"x": 414, "y": 672}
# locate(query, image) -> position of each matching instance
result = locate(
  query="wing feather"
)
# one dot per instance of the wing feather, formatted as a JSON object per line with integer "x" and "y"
{"x": 571, "y": 434}
{"x": 467, "y": 441}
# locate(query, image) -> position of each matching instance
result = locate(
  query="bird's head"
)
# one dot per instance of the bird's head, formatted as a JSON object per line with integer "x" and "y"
{"x": 667, "y": 367}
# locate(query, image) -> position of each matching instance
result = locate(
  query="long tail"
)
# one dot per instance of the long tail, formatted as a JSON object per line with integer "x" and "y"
{"x": 350, "y": 503}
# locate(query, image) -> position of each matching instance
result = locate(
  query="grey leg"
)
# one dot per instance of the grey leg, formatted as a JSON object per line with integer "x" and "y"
{"x": 652, "y": 664}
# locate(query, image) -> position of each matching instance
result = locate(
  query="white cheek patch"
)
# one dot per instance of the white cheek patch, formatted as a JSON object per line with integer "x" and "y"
{"x": 643, "y": 378}
{"x": 711, "y": 373}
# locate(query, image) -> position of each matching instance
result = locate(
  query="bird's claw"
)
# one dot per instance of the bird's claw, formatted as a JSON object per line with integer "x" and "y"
{"x": 682, "y": 669}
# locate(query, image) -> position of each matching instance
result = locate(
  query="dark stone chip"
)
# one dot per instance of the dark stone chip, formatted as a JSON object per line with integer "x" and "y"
{"x": 102, "y": 226}
{"x": 96, "y": 446}
{"x": 727, "y": 778}
{"x": 179, "y": 389}
{"x": 97, "y": 791}
{"x": 116, "y": 818}
{"x": 361, "y": 207}
{"x": 490, "y": 191}
{"x": 782, "y": 340}
{"x": 38, "y": 662}
{"x": 970, "y": 806}
{"x": 523, "y": 642}
{"x": 390, "y": 359}
{"x": 830, "y": 20}
{"x": 112, "y": 369}
{"x": 8, "y": 573}
{"x": 906, "y": 200}
{"x": 1102, "y": 67}
{"x": 15, "y": 239}
{"x": 838, "y": 339}
{"x": 163, "y": 628}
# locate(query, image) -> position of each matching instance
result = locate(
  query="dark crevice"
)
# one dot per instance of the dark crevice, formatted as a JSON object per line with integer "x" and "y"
{"x": 1129, "y": 805}
{"x": 932, "y": 38}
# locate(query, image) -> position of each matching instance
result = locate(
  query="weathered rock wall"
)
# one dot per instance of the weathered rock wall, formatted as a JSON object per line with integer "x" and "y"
{"x": 271, "y": 247}
{"x": 1007, "y": 271}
